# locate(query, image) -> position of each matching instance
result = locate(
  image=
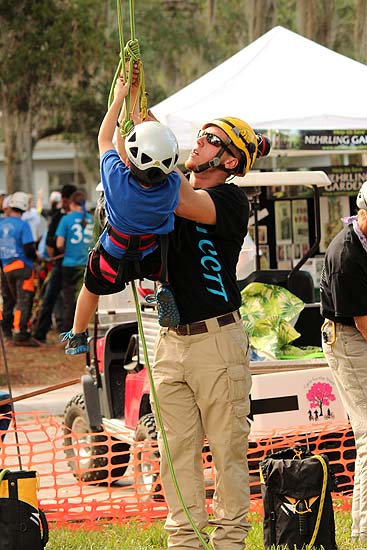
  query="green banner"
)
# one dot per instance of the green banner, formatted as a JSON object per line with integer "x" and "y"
{"x": 318, "y": 140}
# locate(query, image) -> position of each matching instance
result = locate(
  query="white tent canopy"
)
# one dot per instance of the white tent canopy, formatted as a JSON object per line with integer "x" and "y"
{"x": 280, "y": 81}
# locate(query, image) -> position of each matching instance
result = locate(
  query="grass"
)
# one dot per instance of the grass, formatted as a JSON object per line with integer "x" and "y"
{"x": 135, "y": 536}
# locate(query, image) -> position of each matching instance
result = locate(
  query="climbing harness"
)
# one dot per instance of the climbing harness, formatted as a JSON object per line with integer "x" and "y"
{"x": 131, "y": 54}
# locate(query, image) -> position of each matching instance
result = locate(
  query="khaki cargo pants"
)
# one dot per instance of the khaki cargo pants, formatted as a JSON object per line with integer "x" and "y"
{"x": 347, "y": 358}
{"x": 203, "y": 384}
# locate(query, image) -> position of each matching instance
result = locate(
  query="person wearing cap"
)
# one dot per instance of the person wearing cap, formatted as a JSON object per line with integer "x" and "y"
{"x": 201, "y": 367}
{"x": 17, "y": 253}
{"x": 53, "y": 290}
{"x": 343, "y": 295}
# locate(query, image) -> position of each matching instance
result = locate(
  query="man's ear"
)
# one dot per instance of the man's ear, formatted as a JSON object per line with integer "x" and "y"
{"x": 231, "y": 163}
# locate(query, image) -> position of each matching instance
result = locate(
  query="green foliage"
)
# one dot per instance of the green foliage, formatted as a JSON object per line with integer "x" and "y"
{"x": 50, "y": 52}
{"x": 58, "y": 57}
{"x": 138, "y": 537}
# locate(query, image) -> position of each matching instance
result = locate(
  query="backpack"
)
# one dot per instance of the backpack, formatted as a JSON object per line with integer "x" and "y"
{"x": 23, "y": 526}
{"x": 298, "y": 510}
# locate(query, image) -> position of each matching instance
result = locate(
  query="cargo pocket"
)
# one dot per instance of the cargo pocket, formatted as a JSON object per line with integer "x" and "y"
{"x": 239, "y": 381}
{"x": 330, "y": 356}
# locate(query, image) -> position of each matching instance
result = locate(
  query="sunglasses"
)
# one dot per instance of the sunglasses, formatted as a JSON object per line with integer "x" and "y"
{"x": 212, "y": 139}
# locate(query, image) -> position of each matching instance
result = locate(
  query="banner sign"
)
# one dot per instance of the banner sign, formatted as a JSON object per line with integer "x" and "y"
{"x": 317, "y": 140}
{"x": 345, "y": 180}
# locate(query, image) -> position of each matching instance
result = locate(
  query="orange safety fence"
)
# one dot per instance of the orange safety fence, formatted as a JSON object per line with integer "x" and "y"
{"x": 95, "y": 478}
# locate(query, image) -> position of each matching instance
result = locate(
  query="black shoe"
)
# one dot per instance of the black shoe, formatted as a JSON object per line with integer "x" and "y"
{"x": 168, "y": 314}
{"x": 26, "y": 342}
{"x": 75, "y": 343}
{"x": 41, "y": 339}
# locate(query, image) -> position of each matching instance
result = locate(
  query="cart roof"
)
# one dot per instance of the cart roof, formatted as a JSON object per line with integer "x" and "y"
{"x": 306, "y": 177}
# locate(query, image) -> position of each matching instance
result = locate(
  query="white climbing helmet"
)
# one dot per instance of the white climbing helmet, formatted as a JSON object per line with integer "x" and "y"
{"x": 19, "y": 200}
{"x": 362, "y": 197}
{"x": 152, "y": 150}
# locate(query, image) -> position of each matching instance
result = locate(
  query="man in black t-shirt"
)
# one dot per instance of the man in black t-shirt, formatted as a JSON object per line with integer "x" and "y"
{"x": 343, "y": 291}
{"x": 201, "y": 367}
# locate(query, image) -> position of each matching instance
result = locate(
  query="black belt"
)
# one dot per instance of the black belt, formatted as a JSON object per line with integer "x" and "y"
{"x": 199, "y": 327}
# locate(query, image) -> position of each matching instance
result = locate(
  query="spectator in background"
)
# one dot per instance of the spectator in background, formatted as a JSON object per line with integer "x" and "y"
{"x": 74, "y": 236}
{"x": 37, "y": 222}
{"x": 17, "y": 253}
{"x": 54, "y": 282}
{"x": 4, "y": 206}
{"x": 343, "y": 293}
{"x": 55, "y": 202}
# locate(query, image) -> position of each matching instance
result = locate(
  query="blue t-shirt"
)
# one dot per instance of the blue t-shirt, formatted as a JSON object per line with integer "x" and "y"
{"x": 77, "y": 238}
{"x": 14, "y": 233}
{"x": 133, "y": 209}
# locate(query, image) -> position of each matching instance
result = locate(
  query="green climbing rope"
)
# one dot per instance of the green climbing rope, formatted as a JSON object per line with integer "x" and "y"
{"x": 129, "y": 53}
{"x": 206, "y": 546}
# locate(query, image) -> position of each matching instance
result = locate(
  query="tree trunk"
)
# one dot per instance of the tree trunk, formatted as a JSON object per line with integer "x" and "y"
{"x": 18, "y": 150}
{"x": 316, "y": 20}
{"x": 360, "y": 30}
{"x": 260, "y": 15}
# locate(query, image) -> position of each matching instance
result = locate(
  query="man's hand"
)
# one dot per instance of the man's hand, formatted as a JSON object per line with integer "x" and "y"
{"x": 361, "y": 324}
{"x": 150, "y": 117}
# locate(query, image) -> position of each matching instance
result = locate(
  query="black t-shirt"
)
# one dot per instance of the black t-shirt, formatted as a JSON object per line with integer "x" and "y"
{"x": 343, "y": 283}
{"x": 202, "y": 258}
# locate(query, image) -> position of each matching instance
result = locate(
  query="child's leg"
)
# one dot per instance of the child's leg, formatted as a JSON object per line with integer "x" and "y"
{"x": 85, "y": 307}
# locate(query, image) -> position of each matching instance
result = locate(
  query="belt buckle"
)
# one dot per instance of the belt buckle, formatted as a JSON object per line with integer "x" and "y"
{"x": 183, "y": 330}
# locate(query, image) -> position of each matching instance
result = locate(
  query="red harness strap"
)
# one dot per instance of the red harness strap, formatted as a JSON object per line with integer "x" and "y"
{"x": 131, "y": 242}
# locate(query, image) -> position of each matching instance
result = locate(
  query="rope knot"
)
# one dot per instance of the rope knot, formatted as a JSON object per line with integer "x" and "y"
{"x": 126, "y": 126}
{"x": 132, "y": 50}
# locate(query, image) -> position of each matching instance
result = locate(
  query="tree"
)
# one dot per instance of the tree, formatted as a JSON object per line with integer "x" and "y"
{"x": 261, "y": 17}
{"x": 360, "y": 29}
{"x": 320, "y": 394}
{"x": 50, "y": 82}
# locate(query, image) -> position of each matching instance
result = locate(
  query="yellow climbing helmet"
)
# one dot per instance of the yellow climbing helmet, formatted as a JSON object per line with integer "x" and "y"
{"x": 243, "y": 138}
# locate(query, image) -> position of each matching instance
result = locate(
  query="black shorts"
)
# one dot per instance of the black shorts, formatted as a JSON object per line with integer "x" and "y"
{"x": 102, "y": 269}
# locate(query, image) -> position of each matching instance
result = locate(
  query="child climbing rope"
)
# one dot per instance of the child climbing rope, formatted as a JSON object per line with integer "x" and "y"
{"x": 141, "y": 194}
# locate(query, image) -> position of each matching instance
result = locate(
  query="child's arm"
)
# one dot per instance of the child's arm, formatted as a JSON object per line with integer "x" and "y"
{"x": 134, "y": 115}
{"x": 108, "y": 126}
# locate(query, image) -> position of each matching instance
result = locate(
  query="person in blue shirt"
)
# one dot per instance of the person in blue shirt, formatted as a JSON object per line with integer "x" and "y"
{"x": 74, "y": 237}
{"x": 141, "y": 193}
{"x": 17, "y": 253}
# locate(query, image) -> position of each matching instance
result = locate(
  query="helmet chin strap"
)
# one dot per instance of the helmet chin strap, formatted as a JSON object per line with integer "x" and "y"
{"x": 214, "y": 163}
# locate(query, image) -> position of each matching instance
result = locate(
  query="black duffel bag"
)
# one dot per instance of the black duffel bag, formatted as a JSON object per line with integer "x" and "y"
{"x": 298, "y": 509}
{"x": 23, "y": 526}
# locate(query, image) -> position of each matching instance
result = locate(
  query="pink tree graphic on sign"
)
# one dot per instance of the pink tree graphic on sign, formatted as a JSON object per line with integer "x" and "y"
{"x": 320, "y": 394}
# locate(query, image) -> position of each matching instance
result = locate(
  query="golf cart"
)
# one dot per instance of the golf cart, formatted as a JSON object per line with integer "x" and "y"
{"x": 113, "y": 413}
